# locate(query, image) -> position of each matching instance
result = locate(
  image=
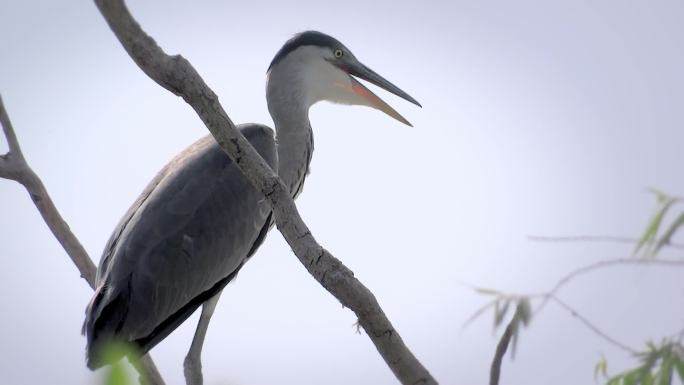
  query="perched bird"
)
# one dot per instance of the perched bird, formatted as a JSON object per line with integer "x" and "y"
{"x": 199, "y": 220}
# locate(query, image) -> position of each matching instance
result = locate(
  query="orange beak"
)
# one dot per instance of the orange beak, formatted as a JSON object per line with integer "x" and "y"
{"x": 375, "y": 102}
{"x": 355, "y": 68}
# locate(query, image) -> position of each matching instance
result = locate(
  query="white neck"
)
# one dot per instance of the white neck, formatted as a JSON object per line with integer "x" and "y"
{"x": 289, "y": 108}
{"x": 304, "y": 77}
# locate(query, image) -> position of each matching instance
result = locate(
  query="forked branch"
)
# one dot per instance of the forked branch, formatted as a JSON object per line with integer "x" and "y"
{"x": 177, "y": 75}
{"x": 13, "y": 166}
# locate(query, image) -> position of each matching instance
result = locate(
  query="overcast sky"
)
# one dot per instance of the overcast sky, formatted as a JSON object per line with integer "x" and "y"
{"x": 539, "y": 118}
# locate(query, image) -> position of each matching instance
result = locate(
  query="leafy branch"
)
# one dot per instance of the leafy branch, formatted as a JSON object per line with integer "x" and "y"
{"x": 521, "y": 318}
{"x": 650, "y": 243}
{"x": 658, "y": 362}
{"x": 659, "y": 365}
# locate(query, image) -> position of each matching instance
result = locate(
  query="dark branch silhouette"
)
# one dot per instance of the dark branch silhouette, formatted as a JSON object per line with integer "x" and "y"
{"x": 501, "y": 348}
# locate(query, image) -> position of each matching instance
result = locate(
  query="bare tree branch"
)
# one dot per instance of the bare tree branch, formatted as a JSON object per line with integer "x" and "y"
{"x": 596, "y": 238}
{"x": 510, "y": 335}
{"x": 16, "y": 168}
{"x": 603, "y": 264}
{"x": 501, "y": 348}
{"x": 177, "y": 75}
{"x": 13, "y": 166}
{"x": 593, "y": 327}
{"x": 7, "y": 128}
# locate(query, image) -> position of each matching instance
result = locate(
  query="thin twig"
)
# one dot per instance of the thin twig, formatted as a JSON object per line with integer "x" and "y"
{"x": 603, "y": 264}
{"x": 12, "y": 142}
{"x": 595, "y": 238}
{"x": 593, "y": 327}
{"x": 178, "y": 76}
{"x": 14, "y": 166}
{"x": 501, "y": 348}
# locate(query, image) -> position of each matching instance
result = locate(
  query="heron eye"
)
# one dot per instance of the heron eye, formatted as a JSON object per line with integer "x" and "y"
{"x": 338, "y": 53}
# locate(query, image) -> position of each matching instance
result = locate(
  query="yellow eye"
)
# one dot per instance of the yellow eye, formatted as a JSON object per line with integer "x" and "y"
{"x": 338, "y": 53}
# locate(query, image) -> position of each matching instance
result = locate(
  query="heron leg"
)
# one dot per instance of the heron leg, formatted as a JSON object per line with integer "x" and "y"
{"x": 192, "y": 366}
{"x": 147, "y": 371}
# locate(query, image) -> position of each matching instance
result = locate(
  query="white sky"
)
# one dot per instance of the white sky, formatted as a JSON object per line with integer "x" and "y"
{"x": 544, "y": 118}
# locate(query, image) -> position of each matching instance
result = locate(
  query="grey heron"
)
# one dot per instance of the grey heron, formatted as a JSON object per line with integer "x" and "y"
{"x": 199, "y": 220}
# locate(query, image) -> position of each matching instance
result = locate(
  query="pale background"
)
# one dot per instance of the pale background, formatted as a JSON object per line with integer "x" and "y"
{"x": 540, "y": 118}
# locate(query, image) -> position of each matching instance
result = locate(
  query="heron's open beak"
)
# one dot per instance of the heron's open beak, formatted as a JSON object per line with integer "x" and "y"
{"x": 361, "y": 71}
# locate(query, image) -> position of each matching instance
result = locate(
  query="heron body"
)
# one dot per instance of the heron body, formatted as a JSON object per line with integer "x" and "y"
{"x": 199, "y": 220}
{"x": 165, "y": 231}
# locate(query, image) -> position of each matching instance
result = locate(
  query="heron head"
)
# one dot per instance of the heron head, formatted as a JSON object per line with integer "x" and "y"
{"x": 327, "y": 70}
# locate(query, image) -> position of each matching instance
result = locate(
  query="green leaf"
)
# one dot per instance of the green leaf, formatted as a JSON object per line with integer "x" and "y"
{"x": 664, "y": 376}
{"x": 486, "y": 291}
{"x": 524, "y": 310}
{"x": 632, "y": 377}
{"x": 679, "y": 365}
{"x": 651, "y": 231}
{"x": 500, "y": 312}
{"x": 515, "y": 331}
{"x": 660, "y": 196}
{"x": 113, "y": 354}
{"x": 522, "y": 316}
{"x": 647, "y": 379}
{"x": 479, "y": 312}
{"x": 651, "y": 358}
{"x": 667, "y": 236}
{"x": 117, "y": 375}
{"x": 601, "y": 369}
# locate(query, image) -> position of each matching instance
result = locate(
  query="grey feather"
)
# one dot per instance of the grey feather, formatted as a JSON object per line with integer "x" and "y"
{"x": 181, "y": 241}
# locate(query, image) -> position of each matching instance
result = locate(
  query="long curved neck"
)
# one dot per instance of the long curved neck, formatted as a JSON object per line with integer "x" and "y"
{"x": 289, "y": 109}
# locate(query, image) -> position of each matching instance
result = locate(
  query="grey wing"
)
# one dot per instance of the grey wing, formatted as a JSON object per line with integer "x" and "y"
{"x": 185, "y": 237}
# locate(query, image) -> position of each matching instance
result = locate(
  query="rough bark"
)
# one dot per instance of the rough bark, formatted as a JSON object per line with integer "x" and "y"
{"x": 177, "y": 75}
{"x": 13, "y": 166}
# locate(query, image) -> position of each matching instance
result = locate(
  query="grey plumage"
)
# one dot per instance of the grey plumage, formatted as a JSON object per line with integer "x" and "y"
{"x": 199, "y": 220}
{"x": 181, "y": 242}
